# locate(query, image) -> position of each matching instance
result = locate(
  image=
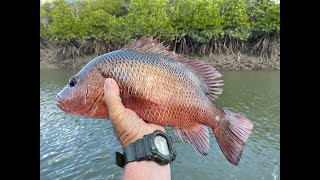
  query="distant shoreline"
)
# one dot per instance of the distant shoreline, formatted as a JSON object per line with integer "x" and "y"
{"x": 220, "y": 61}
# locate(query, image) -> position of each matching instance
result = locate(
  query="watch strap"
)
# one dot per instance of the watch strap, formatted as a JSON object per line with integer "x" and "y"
{"x": 136, "y": 151}
{"x": 145, "y": 149}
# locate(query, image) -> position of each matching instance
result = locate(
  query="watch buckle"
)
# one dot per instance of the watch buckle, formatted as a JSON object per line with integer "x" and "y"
{"x": 119, "y": 159}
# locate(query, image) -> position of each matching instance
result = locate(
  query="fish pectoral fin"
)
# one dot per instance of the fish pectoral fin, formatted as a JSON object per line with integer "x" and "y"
{"x": 133, "y": 102}
{"x": 197, "y": 135}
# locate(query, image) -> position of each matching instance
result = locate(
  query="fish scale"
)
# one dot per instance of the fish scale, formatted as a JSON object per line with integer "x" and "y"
{"x": 164, "y": 88}
{"x": 157, "y": 90}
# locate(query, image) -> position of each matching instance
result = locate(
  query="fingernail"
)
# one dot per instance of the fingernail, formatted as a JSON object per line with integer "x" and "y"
{"x": 108, "y": 83}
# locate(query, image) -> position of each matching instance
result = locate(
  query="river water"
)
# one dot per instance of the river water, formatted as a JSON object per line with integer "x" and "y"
{"x": 74, "y": 147}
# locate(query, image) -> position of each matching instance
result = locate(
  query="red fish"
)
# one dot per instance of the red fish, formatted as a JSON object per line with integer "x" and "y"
{"x": 164, "y": 88}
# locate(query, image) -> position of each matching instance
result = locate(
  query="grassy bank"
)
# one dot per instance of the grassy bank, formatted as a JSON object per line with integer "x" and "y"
{"x": 230, "y": 34}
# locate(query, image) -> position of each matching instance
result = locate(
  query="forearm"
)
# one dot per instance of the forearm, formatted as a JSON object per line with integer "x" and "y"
{"x": 146, "y": 170}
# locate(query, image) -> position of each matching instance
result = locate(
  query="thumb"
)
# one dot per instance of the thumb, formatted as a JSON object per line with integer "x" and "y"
{"x": 113, "y": 101}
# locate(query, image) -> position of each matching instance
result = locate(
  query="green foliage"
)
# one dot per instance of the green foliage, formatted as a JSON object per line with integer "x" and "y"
{"x": 113, "y": 7}
{"x": 149, "y": 18}
{"x": 264, "y": 16}
{"x": 199, "y": 19}
{"x": 96, "y": 24}
{"x": 44, "y": 18}
{"x": 119, "y": 21}
{"x": 235, "y": 19}
{"x": 65, "y": 25}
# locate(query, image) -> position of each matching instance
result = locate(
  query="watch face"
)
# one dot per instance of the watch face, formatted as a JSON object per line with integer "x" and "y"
{"x": 161, "y": 144}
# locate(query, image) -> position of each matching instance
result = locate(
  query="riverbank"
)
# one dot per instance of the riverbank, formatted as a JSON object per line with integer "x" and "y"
{"x": 220, "y": 61}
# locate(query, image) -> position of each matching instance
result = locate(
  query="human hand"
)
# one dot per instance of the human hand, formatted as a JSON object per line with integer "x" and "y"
{"x": 127, "y": 125}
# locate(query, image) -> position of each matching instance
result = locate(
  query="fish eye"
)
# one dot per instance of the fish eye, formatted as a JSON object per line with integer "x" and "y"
{"x": 72, "y": 81}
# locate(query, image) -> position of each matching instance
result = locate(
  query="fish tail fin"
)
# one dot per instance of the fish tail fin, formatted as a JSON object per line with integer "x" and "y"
{"x": 231, "y": 133}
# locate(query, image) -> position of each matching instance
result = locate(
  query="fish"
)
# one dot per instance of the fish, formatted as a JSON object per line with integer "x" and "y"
{"x": 164, "y": 88}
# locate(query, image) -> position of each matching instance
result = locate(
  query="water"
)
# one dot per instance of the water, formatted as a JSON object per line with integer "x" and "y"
{"x": 73, "y": 147}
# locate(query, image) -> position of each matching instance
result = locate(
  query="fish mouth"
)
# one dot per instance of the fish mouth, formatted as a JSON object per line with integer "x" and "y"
{"x": 63, "y": 105}
{"x": 60, "y": 103}
{"x": 86, "y": 105}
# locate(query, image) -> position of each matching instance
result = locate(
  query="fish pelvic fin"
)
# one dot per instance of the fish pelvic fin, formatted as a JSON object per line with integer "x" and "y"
{"x": 232, "y": 133}
{"x": 197, "y": 136}
{"x": 204, "y": 71}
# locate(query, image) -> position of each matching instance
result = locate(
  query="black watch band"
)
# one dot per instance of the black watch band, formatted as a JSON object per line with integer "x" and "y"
{"x": 145, "y": 149}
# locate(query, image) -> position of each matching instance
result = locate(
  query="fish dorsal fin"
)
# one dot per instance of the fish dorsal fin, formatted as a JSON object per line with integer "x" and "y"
{"x": 205, "y": 71}
{"x": 208, "y": 75}
{"x": 152, "y": 46}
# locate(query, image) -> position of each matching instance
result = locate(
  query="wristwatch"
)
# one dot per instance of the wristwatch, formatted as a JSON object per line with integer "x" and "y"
{"x": 156, "y": 146}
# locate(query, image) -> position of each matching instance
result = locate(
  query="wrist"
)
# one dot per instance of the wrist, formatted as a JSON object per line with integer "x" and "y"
{"x": 146, "y": 170}
{"x": 152, "y": 146}
{"x": 139, "y": 134}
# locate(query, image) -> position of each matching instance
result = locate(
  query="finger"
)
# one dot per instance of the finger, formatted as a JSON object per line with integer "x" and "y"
{"x": 113, "y": 101}
{"x": 156, "y": 126}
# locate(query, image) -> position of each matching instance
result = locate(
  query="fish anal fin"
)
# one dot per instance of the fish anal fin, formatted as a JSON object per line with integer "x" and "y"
{"x": 198, "y": 136}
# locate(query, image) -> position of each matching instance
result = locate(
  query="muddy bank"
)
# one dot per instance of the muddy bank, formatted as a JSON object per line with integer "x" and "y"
{"x": 221, "y": 62}
{"x": 244, "y": 62}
